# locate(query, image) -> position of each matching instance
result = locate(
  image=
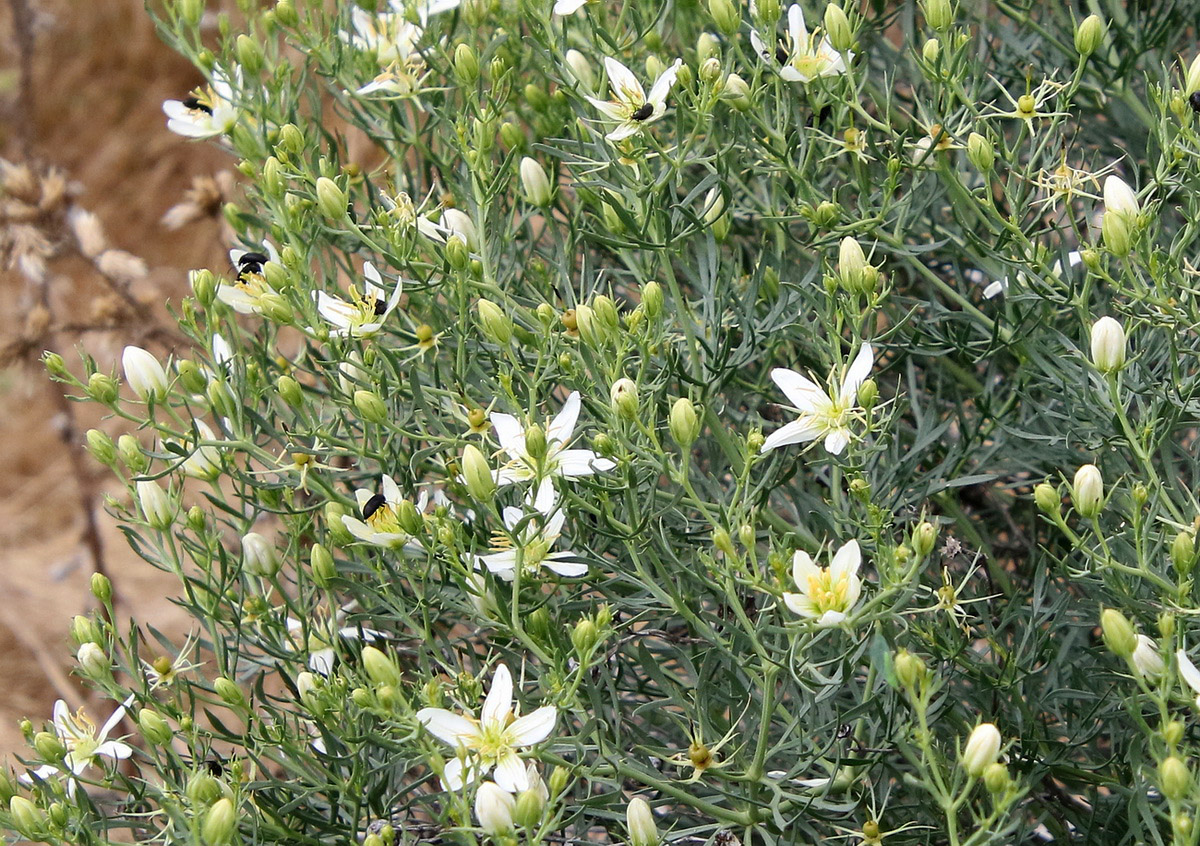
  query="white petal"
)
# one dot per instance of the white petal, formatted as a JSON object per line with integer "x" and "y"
{"x": 995, "y": 289}
{"x": 546, "y": 497}
{"x": 498, "y": 704}
{"x": 582, "y": 462}
{"x": 500, "y": 562}
{"x": 613, "y": 111}
{"x": 569, "y": 569}
{"x": 453, "y": 774}
{"x": 836, "y": 441}
{"x": 1188, "y": 670}
{"x": 797, "y": 432}
{"x": 391, "y": 491}
{"x": 510, "y": 774}
{"x": 796, "y": 27}
{"x": 846, "y": 562}
{"x": 322, "y": 660}
{"x": 625, "y": 130}
{"x": 799, "y": 603}
{"x": 533, "y": 727}
{"x": 803, "y": 569}
{"x": 563, "y": 425}
{"x": 624, "y": 84}
{"x": 857, "y": 374}
{"x": 830, "y": 619}
{"x": 509, "y": 432}
{"x": 662, "y": 85}
{"x": 801, "y": 391}
{"x": 449, "y": 727}
{"x": 114, "y": 749}
{"x": 568, "y": 7}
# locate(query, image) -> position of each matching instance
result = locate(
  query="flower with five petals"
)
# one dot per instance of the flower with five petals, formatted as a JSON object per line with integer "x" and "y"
{"x": 821, "y": 413}
{"x": 631, "y": 107}
{"x": 827, "y": 594}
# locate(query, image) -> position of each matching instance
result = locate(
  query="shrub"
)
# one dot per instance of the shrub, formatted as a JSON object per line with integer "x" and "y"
{"x": 669, "y": 423}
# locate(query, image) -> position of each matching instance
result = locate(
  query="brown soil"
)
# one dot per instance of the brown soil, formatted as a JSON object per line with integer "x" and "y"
{"x": 99, "y": 78}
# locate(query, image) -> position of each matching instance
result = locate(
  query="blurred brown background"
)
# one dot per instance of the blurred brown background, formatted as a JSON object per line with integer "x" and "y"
{"x": 81, "y": 88}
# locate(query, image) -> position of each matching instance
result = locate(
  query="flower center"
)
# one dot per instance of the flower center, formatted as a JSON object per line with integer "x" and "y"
{"x": 494, "y": 740}
{"x": 826, "y": 594}
{"x": 385, "y": 518}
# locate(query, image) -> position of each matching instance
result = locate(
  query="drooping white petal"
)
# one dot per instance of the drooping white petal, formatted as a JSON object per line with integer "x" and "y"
{"x": 831, "y": 618}
{"x": 1191, "y": 675}
{"x": 799, "y": 603}
{"x": 798, "y": 431}
{"x": 546, "y": 498}
{"x": 501, "y": 563}
{"x": 568, "y": 7}
{"x": 568, "y": 569}
{"x": 456, "y": 773}
{"x": 857, "y": 374}
{"x": 114, "y": 749}
{"x": 836, "y": 441}
{"x": 582, "y": 462}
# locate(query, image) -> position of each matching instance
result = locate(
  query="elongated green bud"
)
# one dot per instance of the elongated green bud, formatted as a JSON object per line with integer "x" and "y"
{"x": 683, "y": 422}
{"x": 331, "y": 200}
{"x": 1118, "y": 633}
{"x": 370, "y": 407}
{"x": 494, "y": 322}
{"x": 477, "y": 474}
{"x": 380, "y": 668}
{"x": 219, "y": 823}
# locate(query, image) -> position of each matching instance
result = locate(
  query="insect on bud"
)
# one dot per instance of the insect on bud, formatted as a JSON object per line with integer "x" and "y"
{"x": 1108, "y": 345}
{"x": 477, "y": 474}
{"x": 1087, "y": 490}
{"x": 1088, "y": 35}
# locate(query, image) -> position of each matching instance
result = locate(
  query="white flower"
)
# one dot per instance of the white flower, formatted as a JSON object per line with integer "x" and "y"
{"x": 531, "y": 544}
{"x": 631, "y": 107}
{"x": 1120, "y": 198}
{"x": 391, "y": 36}
{"x": 1191, "y": 675}
{"x": 803, "y": 56}
{"x": 83, "y": 744}
{"x": 494, "y": 808}
{"x": 365, "y": 313}
{"x": 144, "y": 373}
{"x": 558, "y": 460}
{"x": 1145, "y": 658}
{"x": 321, "y": 652}
{"x": 244, "y": 294}
{"x": 207, "y": 112}
{"x": 999, "y": 286}
{"x": 826, "y": 595}
{"x": 493, "y": 739}
{"x": 399, "y": 79}
{"x": 380, "y": 523}
{"x": 402, "y": 209}
{"x": 568, "y": 7}
{"x": 821, "y": 414}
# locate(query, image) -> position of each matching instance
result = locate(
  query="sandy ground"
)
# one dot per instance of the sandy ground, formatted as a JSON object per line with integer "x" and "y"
{"x": 100, "y": 76}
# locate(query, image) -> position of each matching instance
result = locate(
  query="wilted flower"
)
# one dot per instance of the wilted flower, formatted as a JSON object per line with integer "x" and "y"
{"x": 821, "y": 414}
{"x": 208, "y": 111}
{"x": 631, "y": 107}
{"x": 1146, "y": 658}
{"x": 802, "y": 56}
{"x": 365, "y": 313}
{"x": 493, "y": 739}
{"x": 556, "y": 460}
{"x": 530, "y": 545}
{"x": 826, "y": 595}
{"x": 83, "y": 743}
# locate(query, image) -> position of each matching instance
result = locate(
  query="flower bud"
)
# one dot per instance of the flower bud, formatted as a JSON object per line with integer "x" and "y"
{"x": 1174, "y": 779}
{"x": 725, "y": 16}
{"x": 190, "y": 376}
{"x": 144, "y": 374}
{"x": 477, "y": 474}
{"x": 652, "y": 299}
{"x": 535, "y": 183}
{"x": 639, "y": 820}
{"x": 707, "y": 46}
{"x": 93, "y": 662}
{"x": 460, "y": 223}
{"x": 1191, "y": 82}
{"x": 1120, "y": 199}
{"x": 996, "y": 778}
{"x": 154, "y": 728}
{"x": 322, "y": 566}
{"x": 466, "y": 64}
{"x": 102, "y": 388}
{"x": 331, "y": 200}
{"x": 156, "y": 504}
{"x": 924, "y": 538}
{"x": 737, "y": 92}
{"x": 259, "y": 555}
{"x": 494, "y": 808}
{"x": 285, "y": 13}
{"x": 101, "y": 587}
{"x": 101, "y": 446}
{"x": 980, "y": 152}
{"x": 457, "y": 255}
{"x": 1173, "y": 732}
{"x": 1108, "y": 345}
{"x": 683, "y": 423}
{"x": 982, "y": 749}
{"x": 370, "y": 407}
{"x": 1114, "y": 229}
{"x": 910, "y": 669}
{"x": 339, "y": 535}
{"x": 1118, "y": 633}
{"x": 1087, "y": 490}
{"x": 249, "y": 54}
{"x": 710, "y": 70}
{"x": 1047, "y": 498}
{"x": 1088, "y": 35}
{"x": 494, "y": 322}
{"x": 49, "y": 746}
{"x": 290, "y": 391}
{"x": 1146, "y": 660}
{"x": 851, "y": 264}
{"x": 229, "y": 692}
{"x": 930, "y": 50}
{"x": 27, "y": 818}
{"x": 530, "y": 804}
{"x": 868, "y": 392}
{"x": 938, "y": 14}
{"x": 84, "y": 630}
{"x": 220, "y": 398}
{"x": 581, "y": 69}
{"x": 191, "y": 11}
{"x": 131, "y": 453}
{"x": 587, "y": 324}
{"x": 219, "y": 823}
{"x": 1183, "y": 553}
{"x": 380, "y": 668}
{"x": 584, "y": 637}
{"x": 837, "y": 26}
{"x": 55, "y": 365}
{"x": 624, "y": 398}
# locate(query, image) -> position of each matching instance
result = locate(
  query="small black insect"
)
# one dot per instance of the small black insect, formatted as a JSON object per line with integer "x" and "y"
{"x": 195, "y": 104}
{"x": 1194, "y": 101}
{"x": 214, "y": 766}
{"x": 380, "y": 308}
{"x": 373, "y": 504}
{"x": 643, "y": 111}
{"x": 781, "y": 54}
{"x": 252, "y": 258}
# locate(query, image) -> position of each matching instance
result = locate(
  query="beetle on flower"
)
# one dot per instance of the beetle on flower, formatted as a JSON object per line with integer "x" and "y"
{"x": 207, "y": 112}
{"x": 364, "y": 315}
{"x": 631, "y": 107}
